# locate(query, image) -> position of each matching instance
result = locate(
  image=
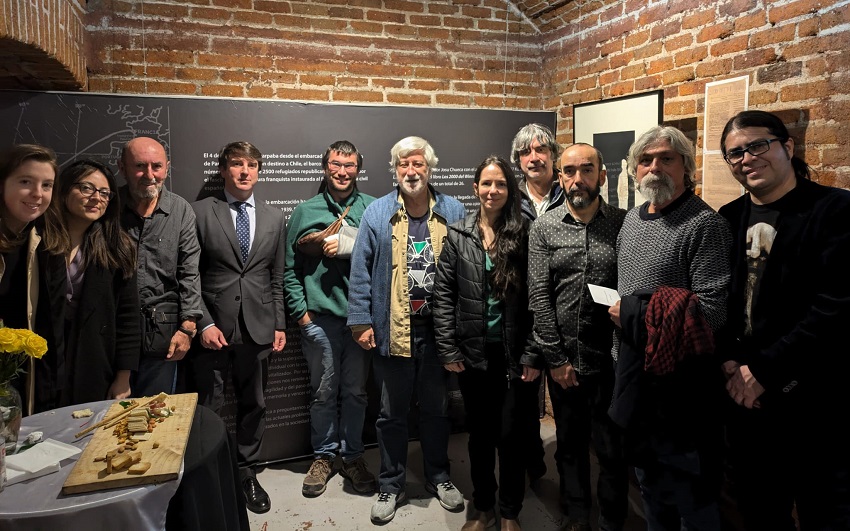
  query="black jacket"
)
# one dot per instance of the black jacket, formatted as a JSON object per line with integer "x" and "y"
{"x": 797, "y": 350}
{"x": 672, "y": 419}
{"x": 459, "y": 305}
{"x": 105, "y": 335}
{"x": 556, "y": 194}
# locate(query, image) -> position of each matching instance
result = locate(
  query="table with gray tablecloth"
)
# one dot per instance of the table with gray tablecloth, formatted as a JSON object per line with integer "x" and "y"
{"x": 208, "y": 471}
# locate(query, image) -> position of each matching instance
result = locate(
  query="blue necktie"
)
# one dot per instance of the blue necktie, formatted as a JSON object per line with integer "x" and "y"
{"x": 243, "y": 229}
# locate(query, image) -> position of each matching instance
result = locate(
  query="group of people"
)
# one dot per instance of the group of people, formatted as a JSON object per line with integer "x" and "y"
{"x": 716, "y": 366}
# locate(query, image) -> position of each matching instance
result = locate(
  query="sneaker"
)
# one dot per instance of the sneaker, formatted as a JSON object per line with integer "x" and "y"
{"x": 384, "y": 509}
{"x": 317, "y": 477}
{"x": 450, "y": 498}
{"x": 362, "y": 480}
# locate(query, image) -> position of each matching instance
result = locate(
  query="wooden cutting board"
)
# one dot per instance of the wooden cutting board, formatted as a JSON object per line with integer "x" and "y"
{"x": 172, "y": 435}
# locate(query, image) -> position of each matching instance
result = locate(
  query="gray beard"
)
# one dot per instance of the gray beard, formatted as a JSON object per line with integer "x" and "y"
{"x": 657, "y": 189}
{"x": 146, "y": 194}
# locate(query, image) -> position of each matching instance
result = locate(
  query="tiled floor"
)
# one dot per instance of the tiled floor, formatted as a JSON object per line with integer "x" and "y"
{"x": 340, "y": 508}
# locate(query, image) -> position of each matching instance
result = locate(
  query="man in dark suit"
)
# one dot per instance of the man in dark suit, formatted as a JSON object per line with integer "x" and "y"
{"x": 241, "y": 266}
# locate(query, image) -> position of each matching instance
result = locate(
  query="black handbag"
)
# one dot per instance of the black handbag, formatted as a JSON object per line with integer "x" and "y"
{"x": 159, "y": 324}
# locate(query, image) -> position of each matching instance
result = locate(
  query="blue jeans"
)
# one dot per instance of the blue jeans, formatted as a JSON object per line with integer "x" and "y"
{"x": 154, "y": 376}
{"x": 338, "y": 370}
{"x": 398, "y": 378}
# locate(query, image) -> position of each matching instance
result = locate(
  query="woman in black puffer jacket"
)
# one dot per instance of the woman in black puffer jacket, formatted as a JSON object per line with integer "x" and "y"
{"x": 483, "y": 330}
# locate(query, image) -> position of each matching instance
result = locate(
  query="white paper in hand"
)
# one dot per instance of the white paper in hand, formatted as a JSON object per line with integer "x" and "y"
{"x": 603, "y": 295}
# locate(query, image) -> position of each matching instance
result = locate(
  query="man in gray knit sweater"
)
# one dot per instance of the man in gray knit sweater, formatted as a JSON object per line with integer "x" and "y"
{"x": 674, "y": 240}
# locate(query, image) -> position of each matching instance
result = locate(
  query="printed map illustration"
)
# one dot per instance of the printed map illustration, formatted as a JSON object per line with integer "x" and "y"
{"x": 95, "y": 128}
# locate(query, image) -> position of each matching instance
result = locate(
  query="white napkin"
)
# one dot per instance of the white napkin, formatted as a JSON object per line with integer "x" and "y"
{"x": 39, "y": 460}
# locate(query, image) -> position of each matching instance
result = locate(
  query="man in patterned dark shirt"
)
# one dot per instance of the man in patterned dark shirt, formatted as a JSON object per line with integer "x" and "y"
{"x": 674, "y": 240}
{"x": 571, "y": 246}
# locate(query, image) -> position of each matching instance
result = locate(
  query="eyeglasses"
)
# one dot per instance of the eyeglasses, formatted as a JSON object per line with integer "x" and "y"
{"x": 335, "y": 166}
{"x": 734, "y": 156}
{"x": 88, "y": 191}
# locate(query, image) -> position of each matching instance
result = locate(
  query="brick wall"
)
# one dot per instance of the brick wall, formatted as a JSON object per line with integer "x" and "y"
{"x": 524, "y": 54}
{"x": 41, "y": 44}
{"x": 794, "y": 52}
{"x": 389, "y": 52}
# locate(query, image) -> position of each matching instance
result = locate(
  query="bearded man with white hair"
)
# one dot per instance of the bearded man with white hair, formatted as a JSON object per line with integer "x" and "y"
{"x": 672, "y": 271}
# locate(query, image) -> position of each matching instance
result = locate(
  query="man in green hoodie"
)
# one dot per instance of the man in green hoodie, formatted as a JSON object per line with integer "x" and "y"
{"x": 316, "y": 287}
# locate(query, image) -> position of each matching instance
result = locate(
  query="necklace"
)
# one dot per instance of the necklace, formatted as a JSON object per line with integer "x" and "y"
{"x": 488, "y": 236}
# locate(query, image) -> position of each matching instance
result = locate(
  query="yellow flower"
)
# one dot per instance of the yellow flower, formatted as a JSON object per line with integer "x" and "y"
{"x": 33, "y": 344}
{"x": 10, "y": 341}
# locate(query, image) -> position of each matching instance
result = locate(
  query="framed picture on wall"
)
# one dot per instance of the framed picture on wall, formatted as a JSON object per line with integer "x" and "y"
{"x": 611, "y": 126}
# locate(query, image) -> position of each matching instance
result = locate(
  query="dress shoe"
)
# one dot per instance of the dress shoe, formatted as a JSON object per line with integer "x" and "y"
{"x": 256, "y": 498}
{"x": 510, "y": 525}
{"x": 479, "y": 521}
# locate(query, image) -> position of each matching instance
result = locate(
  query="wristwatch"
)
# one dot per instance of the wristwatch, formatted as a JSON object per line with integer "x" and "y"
{"x": 190, "y": 333}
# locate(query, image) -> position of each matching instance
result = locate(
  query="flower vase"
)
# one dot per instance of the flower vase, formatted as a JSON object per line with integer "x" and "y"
{"x": 10, "y": 415}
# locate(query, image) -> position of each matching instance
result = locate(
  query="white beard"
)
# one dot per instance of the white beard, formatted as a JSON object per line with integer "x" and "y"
{"x": 657, "y": 189}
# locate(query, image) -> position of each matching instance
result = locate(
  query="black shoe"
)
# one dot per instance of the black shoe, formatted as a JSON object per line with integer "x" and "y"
{"x": 256, "y": 498}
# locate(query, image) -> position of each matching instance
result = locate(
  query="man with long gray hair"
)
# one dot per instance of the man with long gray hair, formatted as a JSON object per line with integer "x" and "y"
{"x": 672, "y": 268}
{"x": 535, "y": 150}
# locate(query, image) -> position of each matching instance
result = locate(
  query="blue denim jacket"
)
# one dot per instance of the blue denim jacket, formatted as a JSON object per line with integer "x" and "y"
{"x": 372, "y": 261}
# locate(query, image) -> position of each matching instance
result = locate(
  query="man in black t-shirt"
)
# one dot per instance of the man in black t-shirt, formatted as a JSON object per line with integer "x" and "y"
{"x": 788, "y": 308}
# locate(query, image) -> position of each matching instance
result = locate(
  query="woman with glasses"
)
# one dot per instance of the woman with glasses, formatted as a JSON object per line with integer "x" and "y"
{"x": 483, "y": 334}
{"x": 29, "y": 231}
{"x": 102, "y": 336}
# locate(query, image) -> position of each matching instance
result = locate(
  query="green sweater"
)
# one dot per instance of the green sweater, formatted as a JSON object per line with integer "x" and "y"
{"x": 319, "y": 284}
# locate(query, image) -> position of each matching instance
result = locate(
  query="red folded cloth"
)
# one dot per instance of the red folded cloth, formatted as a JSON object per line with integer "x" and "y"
{"x": 675, "y": 328}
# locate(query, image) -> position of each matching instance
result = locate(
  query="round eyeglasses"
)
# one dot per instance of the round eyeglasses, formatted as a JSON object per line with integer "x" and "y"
{"x": 89, "y": 190}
